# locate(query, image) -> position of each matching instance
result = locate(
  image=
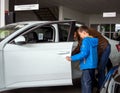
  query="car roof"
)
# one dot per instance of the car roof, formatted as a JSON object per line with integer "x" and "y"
{"x": 31, "y": 22}
{"x": 40, "y": 22}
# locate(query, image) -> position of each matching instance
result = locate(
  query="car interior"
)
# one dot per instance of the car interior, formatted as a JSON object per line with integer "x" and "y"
{"x": 43, "y": 34}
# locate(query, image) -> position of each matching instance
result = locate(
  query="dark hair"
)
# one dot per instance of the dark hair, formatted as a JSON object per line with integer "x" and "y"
{"x": 83, "y": 28}
{"x": 76, "y": 29}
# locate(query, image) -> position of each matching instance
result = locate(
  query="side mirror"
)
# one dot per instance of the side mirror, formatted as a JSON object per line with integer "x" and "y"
{"x": 20, "y": 40}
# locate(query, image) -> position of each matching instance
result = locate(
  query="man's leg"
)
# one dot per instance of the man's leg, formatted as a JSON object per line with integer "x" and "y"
{"x": 102, "y": 65}
{"x": 87, "y": 80}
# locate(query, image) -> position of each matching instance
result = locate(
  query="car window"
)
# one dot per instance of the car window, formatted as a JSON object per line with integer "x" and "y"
{"x": 9, "y": 29}
{"x": 64, "y": 29}
{"x": 41, "y": 34}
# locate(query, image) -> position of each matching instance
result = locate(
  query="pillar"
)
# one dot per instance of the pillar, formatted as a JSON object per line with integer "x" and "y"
{"x": 2, "y": 13}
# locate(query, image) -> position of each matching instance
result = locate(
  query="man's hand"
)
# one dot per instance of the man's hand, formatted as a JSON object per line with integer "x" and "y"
{"x": 68, "y": 58}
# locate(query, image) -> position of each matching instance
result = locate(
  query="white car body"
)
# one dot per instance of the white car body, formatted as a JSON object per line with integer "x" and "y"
{"x": 39, "y": 64}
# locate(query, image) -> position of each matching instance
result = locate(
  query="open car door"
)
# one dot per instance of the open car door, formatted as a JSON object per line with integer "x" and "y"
{"x": 39, "y": 63}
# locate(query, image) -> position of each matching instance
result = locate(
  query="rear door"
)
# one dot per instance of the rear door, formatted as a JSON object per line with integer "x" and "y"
{"x": 39, "y": 62}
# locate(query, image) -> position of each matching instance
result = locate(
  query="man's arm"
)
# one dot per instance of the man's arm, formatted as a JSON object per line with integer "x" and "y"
{"x": 83, "y": 54}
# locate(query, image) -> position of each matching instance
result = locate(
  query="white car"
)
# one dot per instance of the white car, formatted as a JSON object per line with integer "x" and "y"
{"x": 32, "y": 54}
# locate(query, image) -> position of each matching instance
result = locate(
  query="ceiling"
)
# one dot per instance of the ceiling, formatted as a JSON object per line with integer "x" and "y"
{"x": 84, "y": 6}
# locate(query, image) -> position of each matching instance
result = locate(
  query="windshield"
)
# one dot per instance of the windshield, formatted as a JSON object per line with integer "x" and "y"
{"x": 9, "y": 29}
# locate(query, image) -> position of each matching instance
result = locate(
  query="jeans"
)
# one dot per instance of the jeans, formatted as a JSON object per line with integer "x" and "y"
{"x": 102, "y": 65}
{"x": 87, "y": 80}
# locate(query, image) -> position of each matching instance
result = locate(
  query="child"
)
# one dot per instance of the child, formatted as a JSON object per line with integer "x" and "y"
{"x": 88, "y": 59}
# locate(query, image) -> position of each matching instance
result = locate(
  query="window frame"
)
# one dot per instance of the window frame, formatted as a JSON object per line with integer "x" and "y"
{"x": 108, "y": 34}
{"x": 34, "y": 26}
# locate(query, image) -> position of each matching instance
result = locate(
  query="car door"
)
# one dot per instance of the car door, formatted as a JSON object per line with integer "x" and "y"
{"x": 38, "y": 62}
{"x": 2, "y": 80}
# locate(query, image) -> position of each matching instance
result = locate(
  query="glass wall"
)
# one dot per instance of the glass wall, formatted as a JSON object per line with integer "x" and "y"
{"x": 112, "y": 31}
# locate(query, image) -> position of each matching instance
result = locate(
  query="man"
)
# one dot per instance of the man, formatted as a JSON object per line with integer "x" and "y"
{"x": 88, "y": 59}
{"x": 103, "y": 55}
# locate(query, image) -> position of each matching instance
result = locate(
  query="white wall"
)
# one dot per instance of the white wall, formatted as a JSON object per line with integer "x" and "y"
{"x": 98, "y": 19}
{"x": 25, "y": 16}
{"x": 6, "y": 5}
{"x": 67, "y": 13}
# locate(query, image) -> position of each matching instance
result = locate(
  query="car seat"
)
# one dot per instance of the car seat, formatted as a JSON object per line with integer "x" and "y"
{"x": 48, "y": 36}
{"x": 32, "y": 37}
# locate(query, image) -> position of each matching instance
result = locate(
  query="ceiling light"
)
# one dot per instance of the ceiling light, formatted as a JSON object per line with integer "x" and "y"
{"x": 109, "y": 14}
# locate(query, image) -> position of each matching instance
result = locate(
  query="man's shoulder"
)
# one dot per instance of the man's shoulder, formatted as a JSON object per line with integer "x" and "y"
{"x": 89, "y": 38}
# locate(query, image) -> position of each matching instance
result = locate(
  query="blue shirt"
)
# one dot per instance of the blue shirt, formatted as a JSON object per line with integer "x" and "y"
{"x": 88, "y": 55}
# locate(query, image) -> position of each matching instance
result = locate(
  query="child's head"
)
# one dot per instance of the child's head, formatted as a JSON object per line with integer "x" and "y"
{"x": 83, "y": 31}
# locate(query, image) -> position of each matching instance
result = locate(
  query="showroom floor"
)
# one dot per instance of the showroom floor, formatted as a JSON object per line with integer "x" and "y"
{"x": 63, "y": 89}
{"x": 75, "y": 88}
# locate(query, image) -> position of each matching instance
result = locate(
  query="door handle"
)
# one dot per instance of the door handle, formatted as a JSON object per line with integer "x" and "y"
{"x": 63, "y": 52}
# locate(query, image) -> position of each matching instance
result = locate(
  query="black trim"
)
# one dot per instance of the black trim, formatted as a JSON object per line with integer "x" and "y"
{"x": 71, "y": 32}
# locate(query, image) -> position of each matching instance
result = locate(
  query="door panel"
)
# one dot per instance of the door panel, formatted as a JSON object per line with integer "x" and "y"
{"x": 41, "y": 64}
{"x": 2, "y": 80}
